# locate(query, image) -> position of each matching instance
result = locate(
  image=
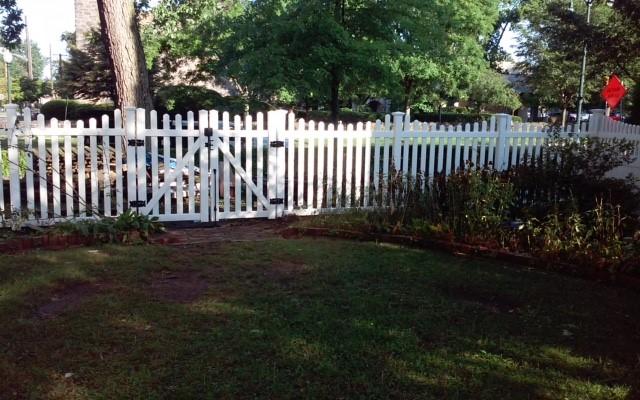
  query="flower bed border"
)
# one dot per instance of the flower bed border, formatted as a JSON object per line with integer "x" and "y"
{"x": 456, "y": 248}
{"x": 64, "y": 241}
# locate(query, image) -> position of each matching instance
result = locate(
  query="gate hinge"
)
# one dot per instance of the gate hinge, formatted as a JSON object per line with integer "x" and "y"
{"x": 278, "y": 200}
{"x": 137, "y": 203}
{"x": 135, "y": 142}
{"x": 277, "y": 143}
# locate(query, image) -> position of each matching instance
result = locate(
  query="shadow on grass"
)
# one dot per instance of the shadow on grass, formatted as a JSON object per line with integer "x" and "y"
{"x": 328, "y": 319}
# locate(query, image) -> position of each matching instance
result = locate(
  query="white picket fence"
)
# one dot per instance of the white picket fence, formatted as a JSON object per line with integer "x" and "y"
{"x": 215, "y": 168}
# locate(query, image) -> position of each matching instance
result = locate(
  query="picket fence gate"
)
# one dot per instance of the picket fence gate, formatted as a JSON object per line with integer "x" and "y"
{"x": 214, "y": 168}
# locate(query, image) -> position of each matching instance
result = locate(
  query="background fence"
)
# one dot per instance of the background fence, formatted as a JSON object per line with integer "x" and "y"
{"x": 212, "y": 167}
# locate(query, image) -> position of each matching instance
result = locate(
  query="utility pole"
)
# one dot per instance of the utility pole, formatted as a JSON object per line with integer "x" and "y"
{"x": 584, "y": 67}
{"x": 51, "y": 70}
{"x": 28, "y": 44}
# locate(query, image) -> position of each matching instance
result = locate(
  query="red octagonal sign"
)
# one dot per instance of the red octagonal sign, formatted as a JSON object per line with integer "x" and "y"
{"x": 614, "y": 91}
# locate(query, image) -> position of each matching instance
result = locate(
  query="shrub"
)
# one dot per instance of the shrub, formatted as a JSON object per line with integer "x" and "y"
{"x": 126, "y": 228}
{"x": 351, "y": 117}
{"x": 182, "y": 99}
{"x": 22, "y": 163}
{"x": 75, "y": 110}
{"x": 574, "y": 175}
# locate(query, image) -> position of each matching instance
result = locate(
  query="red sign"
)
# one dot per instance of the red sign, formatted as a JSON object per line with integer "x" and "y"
{"x": 614, "y": 91}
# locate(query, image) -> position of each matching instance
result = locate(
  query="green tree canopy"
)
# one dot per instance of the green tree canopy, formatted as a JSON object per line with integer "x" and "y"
{"x": 328, "y": 51}
{"x": 553, "y": 36}
{"x": 492, "y": 92}
{"x": 12, "y": 24}
{"x": 86, "y": 73}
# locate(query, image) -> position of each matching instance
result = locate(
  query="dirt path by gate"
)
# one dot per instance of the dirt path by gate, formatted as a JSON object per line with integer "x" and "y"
{"x": 248, "y": 230}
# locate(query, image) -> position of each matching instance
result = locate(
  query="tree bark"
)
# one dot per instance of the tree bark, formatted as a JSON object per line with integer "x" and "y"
{"x": 121, "y": 38}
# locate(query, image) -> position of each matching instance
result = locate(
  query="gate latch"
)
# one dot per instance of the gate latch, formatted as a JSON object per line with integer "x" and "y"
{"x": 277, "y": 143}
{"x": 278, "y": 200}
{"x": 135, "y": 142}
{"x": 137, "y": 203}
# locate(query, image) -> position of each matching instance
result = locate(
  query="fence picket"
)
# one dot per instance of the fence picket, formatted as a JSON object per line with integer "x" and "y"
{"x": 326, "y": 167}
{"x": 260, "y": 163}
{"x": 237, "y": 153}
{"x": 348, "y": 168}
{"x": 141, "y": 157}
{"x": 330, "y": 163}
{"x": 299, "y": 135}
{"x": 339, "y": 166}
{"x": 119, "y": 141}
{"x": 93, "y": 172}
{"x": 414, "y": 148}
{"x": 459, "y": 152}
{"x": 42, "y": 169}
{"x": 179, "y": 174}
{"x": 205, "y": 172}
{"x": 55, "y": 169}
{"x": 166, "y": 164}
{"x": 311, "y": 149}
{"x": 155, "y": 171}
{"x": 106, "y": 166}
{"x": 191, "y": 185}
{"x": 322, "y": 146}
{"x": 68, "y": 170}
{"x": 28, "y": 144}
{"x": 376, "y": 155}
{"x": 367, "y": 163}
{"x": 13, "y": 153}
{"x": 214, "y": 122}
{"x": 357, "y": 185}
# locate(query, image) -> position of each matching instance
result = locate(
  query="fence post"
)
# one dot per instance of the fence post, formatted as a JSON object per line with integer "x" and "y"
{"x": 276, "y": 124}
{"x": 503, "y": 125}
{"x": 398, "y": 127}
{"x": 130, "y": 134}
{"x": 14, "y": 158}
{"x": 595, "y": 122}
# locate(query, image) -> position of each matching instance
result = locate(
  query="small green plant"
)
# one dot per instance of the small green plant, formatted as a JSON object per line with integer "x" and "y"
{"x": 22, "y": 163}
{"x": 129, "y": 227}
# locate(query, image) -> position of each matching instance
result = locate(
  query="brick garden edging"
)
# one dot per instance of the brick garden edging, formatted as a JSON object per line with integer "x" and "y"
{"x": 456, "y": 248}
{"x": 45, "y": 242}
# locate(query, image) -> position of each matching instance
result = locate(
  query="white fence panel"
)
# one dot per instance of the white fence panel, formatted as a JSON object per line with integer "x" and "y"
{"x": 211, "y": 168}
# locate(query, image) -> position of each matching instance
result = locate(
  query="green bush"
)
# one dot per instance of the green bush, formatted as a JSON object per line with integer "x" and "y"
{"x": 573, "y": 175}
{"x": 128, "y": 227}
{"x": 347, "y": 116}
{"x": 562, "y": 208}
{"x": 74, "y": 110}
{"x": 22, "y": 163}
{"x": 635, "y": 105}
{"x": 182, "y": 99}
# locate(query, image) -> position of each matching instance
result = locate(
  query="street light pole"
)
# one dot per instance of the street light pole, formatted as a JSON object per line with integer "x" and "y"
{"x": 584, "y": 67}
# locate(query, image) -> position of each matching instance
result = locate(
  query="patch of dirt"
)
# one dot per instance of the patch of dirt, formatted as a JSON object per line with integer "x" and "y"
{"x": 179, "y": 286}
{"x": 493, "y": 302}
{"x": 284, "y": 271}
{"x": 249, "y": 230}
{"x": 68, "y": 298}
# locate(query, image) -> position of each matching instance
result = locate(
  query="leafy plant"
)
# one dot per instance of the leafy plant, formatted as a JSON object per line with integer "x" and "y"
{"x": 126, "y": 228}
{"x": 22, "y": 163}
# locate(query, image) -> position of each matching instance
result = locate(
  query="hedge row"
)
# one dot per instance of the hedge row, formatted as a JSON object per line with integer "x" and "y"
{"x": 349, "y": 117}
{"x": 74, "y": 110}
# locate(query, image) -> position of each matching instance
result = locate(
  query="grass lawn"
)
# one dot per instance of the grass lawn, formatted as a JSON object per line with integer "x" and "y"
{"x": 307, "y": 319}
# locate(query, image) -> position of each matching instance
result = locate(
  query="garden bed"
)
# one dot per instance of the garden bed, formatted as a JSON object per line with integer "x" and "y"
{"x": 457, "y": 248}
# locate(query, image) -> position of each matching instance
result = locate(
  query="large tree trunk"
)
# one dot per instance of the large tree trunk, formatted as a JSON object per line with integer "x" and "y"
{"x": 121, "y": 38}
